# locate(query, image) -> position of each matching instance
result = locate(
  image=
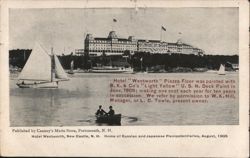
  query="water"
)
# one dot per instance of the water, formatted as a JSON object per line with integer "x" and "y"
{"x": 75, "y": 102}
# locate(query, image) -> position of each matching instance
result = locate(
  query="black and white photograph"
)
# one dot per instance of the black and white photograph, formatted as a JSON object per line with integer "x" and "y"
{"x": 137, "y": 66}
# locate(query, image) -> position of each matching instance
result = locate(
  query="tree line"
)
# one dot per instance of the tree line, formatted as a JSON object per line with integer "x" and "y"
{"x": 139, "y": 60}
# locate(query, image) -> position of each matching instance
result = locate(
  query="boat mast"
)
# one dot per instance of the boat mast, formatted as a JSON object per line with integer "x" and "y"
{"x": 52, "y": 63}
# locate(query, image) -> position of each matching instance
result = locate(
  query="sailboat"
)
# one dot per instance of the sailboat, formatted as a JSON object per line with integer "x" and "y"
{"x": 71, "y": 71}
{"x": 42, "y": 70}
{"x": 221, "y": 70}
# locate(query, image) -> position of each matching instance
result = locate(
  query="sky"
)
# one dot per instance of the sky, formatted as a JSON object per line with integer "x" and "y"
{"x": 215, "y": 30}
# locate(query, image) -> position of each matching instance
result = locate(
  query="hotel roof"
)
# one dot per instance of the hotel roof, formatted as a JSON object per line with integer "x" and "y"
{"x": 100, "y": 38}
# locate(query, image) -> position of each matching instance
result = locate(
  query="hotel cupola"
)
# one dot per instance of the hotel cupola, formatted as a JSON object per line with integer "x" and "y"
{"x": 112, "y": 35}
{"x": 179, "y": 42}
{"x": 89, "y": 37}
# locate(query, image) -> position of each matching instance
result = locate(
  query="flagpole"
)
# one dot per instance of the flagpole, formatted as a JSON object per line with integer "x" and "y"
{"x": 112, "y": 25}
{"x": 161, "y": 35}
{"x": 180, "y": 36}
{"x": 164, "y": 29}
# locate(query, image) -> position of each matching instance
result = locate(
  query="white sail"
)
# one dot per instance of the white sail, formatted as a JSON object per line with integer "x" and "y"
{"x": 222, "y": 70}
{"x": 59, "y": 71}
{"x": 38, "y": 66}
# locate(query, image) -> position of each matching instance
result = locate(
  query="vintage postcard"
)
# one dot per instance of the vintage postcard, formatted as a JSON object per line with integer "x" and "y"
{"x": 138, "y": 78}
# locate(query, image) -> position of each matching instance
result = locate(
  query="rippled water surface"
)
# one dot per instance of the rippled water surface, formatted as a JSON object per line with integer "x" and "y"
{"x": 75, "y": 102}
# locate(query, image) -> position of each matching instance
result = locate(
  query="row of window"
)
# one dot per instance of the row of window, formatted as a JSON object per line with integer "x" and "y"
{"x": 100, "y": 49}
{"x": 109, "y": 41}
{"x": 150, "y": 48}
{"x": 91, "y": 46}
{"x": 135, "y": 43}
{"x": 129, "y": 47}
{"x": 139, "y": 45}
{"x": 152, "y": 51}
{"x": 109, "y": 46}
{"x": 113, "y": 47}
{"x": 107, "y": 51}
{"x": 165, "y": 46}
{"x": 113, "y": 44}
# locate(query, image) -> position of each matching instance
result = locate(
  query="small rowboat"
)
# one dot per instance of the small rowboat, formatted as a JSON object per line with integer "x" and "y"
{"x": 111, "y": 120}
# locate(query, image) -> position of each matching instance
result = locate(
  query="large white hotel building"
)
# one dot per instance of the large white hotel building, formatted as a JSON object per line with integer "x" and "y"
{"x": 112, "y": 45}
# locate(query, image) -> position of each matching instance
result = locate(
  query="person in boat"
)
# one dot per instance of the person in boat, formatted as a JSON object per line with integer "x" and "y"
{"x": 100, "y": 111}
{"x": 23, "y": 83}
{"x": 111, "y": 111}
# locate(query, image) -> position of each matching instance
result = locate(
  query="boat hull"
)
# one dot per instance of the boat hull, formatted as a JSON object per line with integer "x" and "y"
{"x": 38, "y": 85}
{"x": 111, "y": 120}
{"x": 71, "y": 72}
{"x": 109, "y": 71}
